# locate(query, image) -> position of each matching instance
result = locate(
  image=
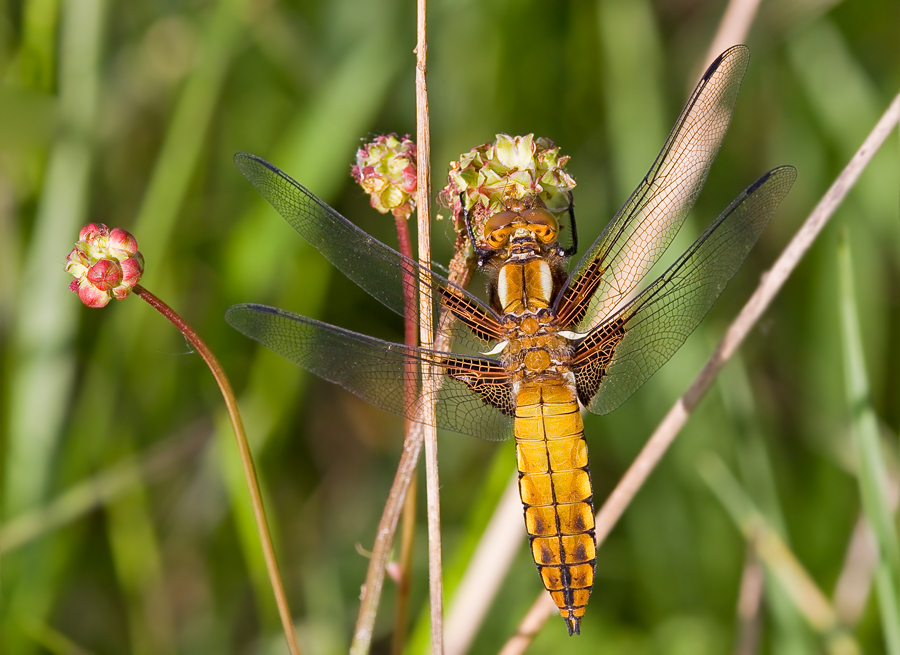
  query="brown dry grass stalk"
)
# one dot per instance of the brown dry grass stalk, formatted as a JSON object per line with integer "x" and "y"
{"x": 426, "y": 336}
{"x": 749, "y": 615}
{"x": 423, "y": 431}
{"x": 410, "y": 315}
{"x": 371, "y": 593}
{"x": 851, "y": 592}
{"x": 486, "y": 570}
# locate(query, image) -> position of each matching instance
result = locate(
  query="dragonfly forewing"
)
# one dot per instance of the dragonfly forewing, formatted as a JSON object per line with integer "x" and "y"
{"x": 646, "y": 224}
{"x": 380, "y": 270}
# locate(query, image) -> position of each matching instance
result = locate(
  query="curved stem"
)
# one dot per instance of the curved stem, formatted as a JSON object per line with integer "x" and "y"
{"x": 240, "y": 436}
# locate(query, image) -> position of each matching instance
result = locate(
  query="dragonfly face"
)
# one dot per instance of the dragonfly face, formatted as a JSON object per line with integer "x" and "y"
{"x": 554, "y": 341}
{"x": 521, "y": 249}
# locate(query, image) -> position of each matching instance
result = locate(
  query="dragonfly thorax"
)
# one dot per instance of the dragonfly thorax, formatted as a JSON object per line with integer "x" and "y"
{"x": 525, "y": 286}
{"x": 540, "y": 354}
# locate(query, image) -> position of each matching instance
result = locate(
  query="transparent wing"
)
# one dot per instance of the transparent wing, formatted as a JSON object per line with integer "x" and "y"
{"x": 617, "y": 357}
{"x": 383, "y": 373}
{"x": 645, "y": 226}
{"x": 377, "y": 268}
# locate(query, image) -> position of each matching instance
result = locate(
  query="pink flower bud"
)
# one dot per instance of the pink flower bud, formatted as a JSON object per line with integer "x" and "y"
{"x": 91, "y": 295}
{"x": 77, "y": 263}
{"x": 91, "y": 231}
{"x": 105, "y": 274}
{"x": 119, "y": 239}
{"x": 132, "y": 269}
{"x": 386, "y": 170}
{"x": 409, "y": 180}
{"x": 105, "y": 264}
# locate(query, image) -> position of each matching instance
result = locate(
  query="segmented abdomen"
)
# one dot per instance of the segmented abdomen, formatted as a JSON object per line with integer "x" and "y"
{"x": 555, "y": 488}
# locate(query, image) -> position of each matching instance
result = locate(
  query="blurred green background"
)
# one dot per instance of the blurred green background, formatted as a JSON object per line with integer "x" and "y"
{"x": 125, "y": 519}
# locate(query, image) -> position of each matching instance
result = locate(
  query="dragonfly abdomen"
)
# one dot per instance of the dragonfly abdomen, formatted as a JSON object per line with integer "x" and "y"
{"x": 555, "y": 488}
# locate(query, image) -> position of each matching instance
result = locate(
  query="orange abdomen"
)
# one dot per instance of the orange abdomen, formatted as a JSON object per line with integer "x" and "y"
{"x": 555, "y": 488}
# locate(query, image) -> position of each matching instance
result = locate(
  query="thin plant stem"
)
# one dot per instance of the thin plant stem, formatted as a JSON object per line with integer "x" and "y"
{"x": 677, "y": 416}
{"x": 781, "y": 563}
{"x": 426, "y": 336}
{"x": 460, "y": 274}
{"x": 749, "y": 606}
{"x": 404, "y": 585}
{"x": 854, "y": 584}
{"x": 851, "y": 591}
{"x": 872, "y": 474}
{"x": 404, "y": 582}
{"x": 500, "y": 541}
{"x": 542, "y": 608}
{"x": 246, "y": 456}
{"x": 398, "y": 501}
{"x": 368, "y": 608}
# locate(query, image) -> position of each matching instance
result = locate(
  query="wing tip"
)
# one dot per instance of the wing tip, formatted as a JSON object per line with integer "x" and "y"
{"x": 739, "y": 52}
{"x": 787, "y": 175}
{"x": 245, "y": 159}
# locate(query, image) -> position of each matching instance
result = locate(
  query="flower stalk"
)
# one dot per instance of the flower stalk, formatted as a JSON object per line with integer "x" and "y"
{"x": 386, "y": 170}
{"x": 106, "y": 265}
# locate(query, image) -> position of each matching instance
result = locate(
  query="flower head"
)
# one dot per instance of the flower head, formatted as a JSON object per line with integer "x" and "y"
{"x": 105, "y": 263}
{"x": 386, "y": 169}
{"x": 512, "y": 169}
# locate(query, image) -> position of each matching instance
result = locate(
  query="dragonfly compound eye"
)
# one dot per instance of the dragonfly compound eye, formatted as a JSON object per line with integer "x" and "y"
{"x": 542, "y": 223}
{"x": 498, "y": 228}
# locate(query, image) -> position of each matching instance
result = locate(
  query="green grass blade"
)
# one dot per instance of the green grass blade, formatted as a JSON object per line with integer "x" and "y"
{"x": 780, "y": 561}
{"x": 872, "y": 474}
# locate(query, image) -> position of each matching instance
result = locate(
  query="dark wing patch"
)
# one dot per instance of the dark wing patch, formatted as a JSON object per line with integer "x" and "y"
{"x": 578, "y": 294}
{"x": 481, "y": 323}
{"x": 592, "y": 358}
{"x": 486, "y": 377}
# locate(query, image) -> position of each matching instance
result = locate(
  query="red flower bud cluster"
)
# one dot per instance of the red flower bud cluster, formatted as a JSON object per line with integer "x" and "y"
{"x": 105, "y": 263}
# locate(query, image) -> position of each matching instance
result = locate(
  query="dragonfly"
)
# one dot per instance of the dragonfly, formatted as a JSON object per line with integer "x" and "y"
{"x": 547, "y": 342}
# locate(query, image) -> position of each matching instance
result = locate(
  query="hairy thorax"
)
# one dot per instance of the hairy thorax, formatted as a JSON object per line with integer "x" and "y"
{"x": 535, "y": 351}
